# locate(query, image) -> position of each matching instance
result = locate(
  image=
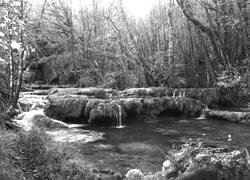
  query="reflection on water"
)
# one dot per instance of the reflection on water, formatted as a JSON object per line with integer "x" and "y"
{"x": 142, "y": 145}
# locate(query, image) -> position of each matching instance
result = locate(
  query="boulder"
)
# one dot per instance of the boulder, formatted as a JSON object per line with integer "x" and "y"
{"x": 195, "y": 161}
{"x": 133, "y": 174}
{"x": 168, "y": 168}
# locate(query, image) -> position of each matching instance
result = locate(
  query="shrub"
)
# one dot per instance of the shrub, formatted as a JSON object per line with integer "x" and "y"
{"x": 31, "y": 155}
{"x": 233, "y": 79}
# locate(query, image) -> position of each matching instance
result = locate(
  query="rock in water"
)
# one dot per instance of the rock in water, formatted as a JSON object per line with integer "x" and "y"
{"x": 195, "y": 162}
{"x": 167, "y": 168}
{"x": 134, "y": 174}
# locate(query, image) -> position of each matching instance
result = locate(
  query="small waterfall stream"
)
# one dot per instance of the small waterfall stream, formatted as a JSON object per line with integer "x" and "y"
{"x": 119, "y": 119}
{"x": 203, "y": 115}
{"x": 174, "y": 93}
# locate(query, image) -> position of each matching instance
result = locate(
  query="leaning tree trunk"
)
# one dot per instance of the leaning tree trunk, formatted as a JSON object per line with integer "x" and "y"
{"x": 23, "y": 55}
{"x": 248, "y": 43}
{"x": 186, "y": 9}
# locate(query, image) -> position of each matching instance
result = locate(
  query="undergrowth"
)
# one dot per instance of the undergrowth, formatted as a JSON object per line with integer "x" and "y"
{"x": 31, "y": 155}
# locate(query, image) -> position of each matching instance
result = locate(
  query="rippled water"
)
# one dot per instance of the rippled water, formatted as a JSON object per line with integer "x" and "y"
{"x": 142, "y": 145}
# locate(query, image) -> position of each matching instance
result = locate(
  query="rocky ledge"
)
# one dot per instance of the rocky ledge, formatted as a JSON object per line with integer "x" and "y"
{"x": 108, "y": 106}
{"x": 212, "y": 97}
{"x": 232, "y": 116}
{"x": 98, "y": 105}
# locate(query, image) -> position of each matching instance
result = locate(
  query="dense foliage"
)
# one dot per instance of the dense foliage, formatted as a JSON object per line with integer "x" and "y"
{"x": 31, "y": 155}
{"x": 179, "y": 44}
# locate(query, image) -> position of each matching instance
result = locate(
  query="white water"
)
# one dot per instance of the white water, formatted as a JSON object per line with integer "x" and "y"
{"x": 184, "y": 93}
{"x": 119, "y": 119}
{"x": 174, "y": 92}
{"x": 25, "y": 119}
{"x": 203, "y": 115}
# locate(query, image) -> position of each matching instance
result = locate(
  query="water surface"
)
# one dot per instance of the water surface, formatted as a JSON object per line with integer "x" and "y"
{"x": 142, "y": 145}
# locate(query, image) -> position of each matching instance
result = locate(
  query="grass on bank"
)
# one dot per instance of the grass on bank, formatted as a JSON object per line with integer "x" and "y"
{"x": 31, "y": 155}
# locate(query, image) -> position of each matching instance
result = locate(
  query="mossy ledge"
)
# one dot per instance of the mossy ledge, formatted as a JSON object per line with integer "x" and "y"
{"x": 98, "y": 105}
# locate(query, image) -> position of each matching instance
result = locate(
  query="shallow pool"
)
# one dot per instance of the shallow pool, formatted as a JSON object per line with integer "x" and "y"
{"x": 143, "y": 145}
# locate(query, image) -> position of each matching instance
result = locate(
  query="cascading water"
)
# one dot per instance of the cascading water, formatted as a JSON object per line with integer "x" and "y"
{"x": 203, "y": 115}
{"x": 184, "y": 94}
{"x": 174, "y": 92}
{"x": 119, "y": 119}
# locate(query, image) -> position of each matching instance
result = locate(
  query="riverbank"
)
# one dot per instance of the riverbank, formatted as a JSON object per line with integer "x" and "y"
{"x": 34, "y": 155}
{"x": 117, "y": 151}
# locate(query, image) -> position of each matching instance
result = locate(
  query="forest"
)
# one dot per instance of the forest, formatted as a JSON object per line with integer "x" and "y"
{"x": 179, "y": 44}
{"x": 196, "y": 50}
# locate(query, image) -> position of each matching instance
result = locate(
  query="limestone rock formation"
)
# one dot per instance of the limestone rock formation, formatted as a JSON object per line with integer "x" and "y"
{"x": 228, "y": 115}
{"x": 134, "y": 174}
{"x": 212, "y": 97}
{"x": 95, "y": 110}
{"x": 100, "y": 105}
{"x": 66, "y": 106}
{"x": 199, "y": 162}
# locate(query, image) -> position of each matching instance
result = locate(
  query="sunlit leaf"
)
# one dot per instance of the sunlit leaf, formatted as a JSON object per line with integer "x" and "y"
{"x": 16, "y": 45}
{"x": 2, "y": 34}
{"x": 2, "y": 61}
{"x": 5, "y": 47}
{"x": 16, "y": 3}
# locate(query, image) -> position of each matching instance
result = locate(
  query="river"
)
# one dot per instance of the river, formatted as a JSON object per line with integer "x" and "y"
{"x": 143, "y": 145}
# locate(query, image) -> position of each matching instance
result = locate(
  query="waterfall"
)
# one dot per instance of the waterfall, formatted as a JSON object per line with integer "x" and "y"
{"x": 184, "y": 93}
{"x": 120, "y": 116}
{"x": 174, "y": 92}
{"x": 119, "y": 119}
{"x": 203, "y": 115}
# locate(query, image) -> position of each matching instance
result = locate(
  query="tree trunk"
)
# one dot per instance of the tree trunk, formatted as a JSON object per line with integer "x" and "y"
{"x": 11, "y": 74}
{"x": 22, "y": 57}
{"x": 185, "y": 6}
{"x": 194, "y": 64}
{"x": 248, "y": 43}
